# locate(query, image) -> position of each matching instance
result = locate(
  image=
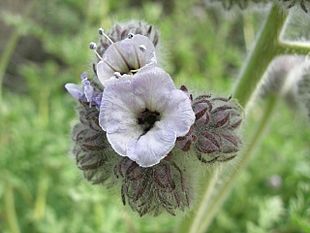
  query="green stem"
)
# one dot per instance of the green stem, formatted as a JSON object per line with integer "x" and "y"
{"x": 6, "y": 56}
{"x": 300, "y": 48}
{"x": 245, "y": 156}
{"x": 266, "y": 48}
{"x": 40, "y": 202}
{"x": 10, "y": 211}
{"x": 11, "y": 45}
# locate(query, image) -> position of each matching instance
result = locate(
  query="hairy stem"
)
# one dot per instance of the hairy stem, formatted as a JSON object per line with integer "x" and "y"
{"x": 299, "y": 48}
{"x": 265, "y": 49}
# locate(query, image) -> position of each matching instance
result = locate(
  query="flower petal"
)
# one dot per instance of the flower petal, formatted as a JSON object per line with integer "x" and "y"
{"x": 150, "y": 148}
{"x": 120, "y": 138}
{"x": 119, "y": 106}
{"x": 137, "y": 51}
{"x": 74, "y": 90}
{"x": 152, "y": 84}
{"x": 117, "y": 116}
{"x": 124, "y": 56}
{"x": 178, "y": 114}
{"x": 104, "y": 71}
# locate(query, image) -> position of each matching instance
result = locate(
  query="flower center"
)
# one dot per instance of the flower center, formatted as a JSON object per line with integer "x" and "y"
{"x": 147, "y": 119}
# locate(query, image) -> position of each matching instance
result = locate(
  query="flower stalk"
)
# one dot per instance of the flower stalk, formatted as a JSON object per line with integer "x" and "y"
{"x": 267, "y": 47}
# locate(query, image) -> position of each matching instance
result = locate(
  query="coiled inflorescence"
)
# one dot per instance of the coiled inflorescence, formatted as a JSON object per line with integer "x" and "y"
{"x": 213, "y": 135}
{"x": 136, "y": 127}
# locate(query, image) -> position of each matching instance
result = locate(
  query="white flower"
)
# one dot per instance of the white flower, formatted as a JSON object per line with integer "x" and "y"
{"x": 143, "y": 115}
{"x": 126, "y": 57}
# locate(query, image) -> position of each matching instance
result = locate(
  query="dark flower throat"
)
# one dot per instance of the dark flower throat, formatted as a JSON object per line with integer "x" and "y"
{"x": 147, "y": 119}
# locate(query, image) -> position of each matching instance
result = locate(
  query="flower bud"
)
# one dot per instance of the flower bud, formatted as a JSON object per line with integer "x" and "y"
{"x": 214, "y": 134}
{"x": 93, "y": 154}
{"x": 154, "y": 189}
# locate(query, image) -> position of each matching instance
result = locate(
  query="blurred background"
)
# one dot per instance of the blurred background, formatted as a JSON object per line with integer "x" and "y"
{"x": 44, "y": 44}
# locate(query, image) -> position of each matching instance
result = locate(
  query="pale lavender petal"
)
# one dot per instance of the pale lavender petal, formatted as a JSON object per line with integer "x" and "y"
{"x": 150, "y": 148}
{"x": 118, "y": 105}
{"x": 118, "y": 115}
{"x": 104, "y": 71}
{"x": 96, "y": 99}
{"x": 121, "y": 137}
{"x": 152, "y": 85}
{"x": 137, "y": 51}
{"x": 125, "y": 56}
{"x": 74, "y": 90}
{"x": 178, "y": 113}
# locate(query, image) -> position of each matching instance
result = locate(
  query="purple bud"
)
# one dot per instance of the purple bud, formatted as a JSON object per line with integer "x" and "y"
{"x": 214, "y": 133}
{"x": 74, "y": 90}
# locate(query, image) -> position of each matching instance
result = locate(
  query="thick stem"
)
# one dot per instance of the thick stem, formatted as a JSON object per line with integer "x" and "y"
{"x": 266, "y": 48}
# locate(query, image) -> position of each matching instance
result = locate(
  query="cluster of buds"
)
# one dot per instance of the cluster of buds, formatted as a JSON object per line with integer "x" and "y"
{"x": 135, "y": 125}
{"x": 151, "y": 190}
{"x": 213, "y": 135}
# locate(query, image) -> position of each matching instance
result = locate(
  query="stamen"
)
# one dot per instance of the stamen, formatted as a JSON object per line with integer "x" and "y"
{"x": 102, "y": 33}
{"x": 130, "y": 35}
{"x": 93, "y": 46}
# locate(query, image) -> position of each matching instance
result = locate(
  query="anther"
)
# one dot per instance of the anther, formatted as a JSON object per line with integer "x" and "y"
{"x": 93, "y": 46}
{"x": 130, "y": 35}
{"x": 102, "y": 33}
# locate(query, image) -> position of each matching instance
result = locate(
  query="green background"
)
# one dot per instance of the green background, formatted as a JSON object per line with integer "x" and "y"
{"x": 44, "y": 44}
